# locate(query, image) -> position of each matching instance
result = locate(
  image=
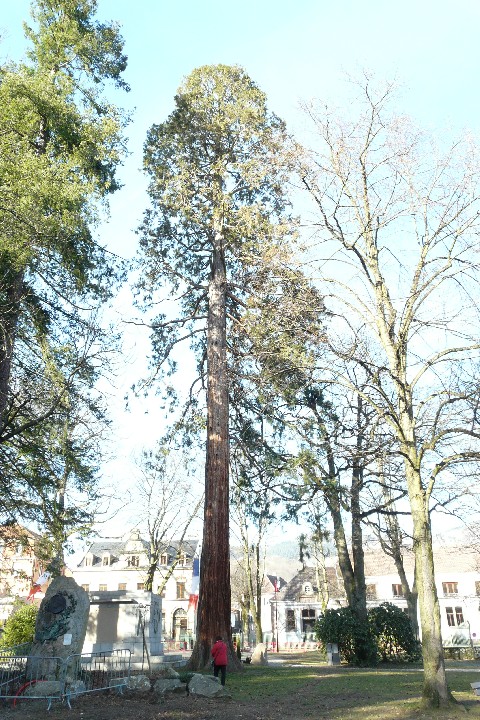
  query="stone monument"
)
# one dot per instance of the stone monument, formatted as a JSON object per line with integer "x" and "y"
{"x": 62, "y": 620}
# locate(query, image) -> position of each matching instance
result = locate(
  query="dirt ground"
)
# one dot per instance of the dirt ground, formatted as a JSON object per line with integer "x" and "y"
{"x": 307, "y": 703}
{"x": 134, "y": 707}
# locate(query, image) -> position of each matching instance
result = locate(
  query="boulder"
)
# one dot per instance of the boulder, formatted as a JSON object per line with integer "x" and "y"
{"x": 207, "y": 686}
{"x": 139, "y": 683}
{"x": 44, "y": 689}
{"x": 165, "y": 685}
{"x": 77, "y": 687}
{"x": 167, "y": 672}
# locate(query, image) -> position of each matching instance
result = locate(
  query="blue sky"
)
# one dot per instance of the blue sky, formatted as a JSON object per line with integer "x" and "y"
{"x": 294, "y": 51}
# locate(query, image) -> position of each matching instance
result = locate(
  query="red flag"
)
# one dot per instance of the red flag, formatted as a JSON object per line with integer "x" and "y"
{"x": 193, "y": 597}
{"x": 34, "y": 589}
{"x": 37, "y": 585}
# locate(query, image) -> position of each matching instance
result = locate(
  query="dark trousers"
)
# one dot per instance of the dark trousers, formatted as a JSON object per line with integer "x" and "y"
{"x": 223, "y": 671}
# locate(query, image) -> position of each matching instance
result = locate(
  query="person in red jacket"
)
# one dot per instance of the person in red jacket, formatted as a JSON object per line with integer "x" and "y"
{"x": 220, "y": 659}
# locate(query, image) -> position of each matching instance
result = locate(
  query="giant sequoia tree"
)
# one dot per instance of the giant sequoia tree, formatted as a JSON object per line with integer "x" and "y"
{"x": 218, "y": 168}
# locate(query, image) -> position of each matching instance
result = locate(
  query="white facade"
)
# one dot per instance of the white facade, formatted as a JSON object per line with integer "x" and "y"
{"x": 296, "y": 608}
{"x": 121, "y": 564}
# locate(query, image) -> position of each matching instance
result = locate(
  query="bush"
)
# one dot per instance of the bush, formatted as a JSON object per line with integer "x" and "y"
{"x": 20, "y": 626}
{"x": 394, "y": 633}
{"x": 354, "y": 639}
{"x": 388, "y": 634}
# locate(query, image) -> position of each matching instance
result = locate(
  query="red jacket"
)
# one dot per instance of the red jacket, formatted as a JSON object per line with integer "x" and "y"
{"x": 219, "y": 653}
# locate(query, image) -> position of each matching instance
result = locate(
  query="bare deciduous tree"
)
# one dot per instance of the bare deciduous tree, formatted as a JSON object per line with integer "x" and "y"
{"x": 169, "y": 505}
{"x": 399, "y": 220}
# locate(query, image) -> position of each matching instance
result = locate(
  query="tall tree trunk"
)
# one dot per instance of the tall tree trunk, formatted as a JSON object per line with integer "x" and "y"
{"x": 344, "y": 561}
{"x": 435, "y": 688}
{"x": 360, "y": 593}
{"x": 8, "y": 330}
{"x": 214, "y": 604}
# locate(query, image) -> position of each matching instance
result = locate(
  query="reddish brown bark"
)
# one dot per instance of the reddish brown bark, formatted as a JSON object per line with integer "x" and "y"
{"x": 214, "y": 604}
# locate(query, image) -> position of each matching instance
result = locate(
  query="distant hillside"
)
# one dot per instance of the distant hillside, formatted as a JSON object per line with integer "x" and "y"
{"x": 287, "y": 549}
{"x": 281, "y": 559}
{"x": 285, "y": 568}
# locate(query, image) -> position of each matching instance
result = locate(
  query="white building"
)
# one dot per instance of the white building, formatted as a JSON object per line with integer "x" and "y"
{"x": 121, "y": 564}
{"x": 20, "y": 567}
{"x": 457, "y": 572}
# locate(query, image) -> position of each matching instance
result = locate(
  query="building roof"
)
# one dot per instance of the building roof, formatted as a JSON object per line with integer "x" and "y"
{"x": 295, "y": 588}
{"x": 133, "y": 544}
{"x": 274, "y": 579}
{"x": 377, "y": 563}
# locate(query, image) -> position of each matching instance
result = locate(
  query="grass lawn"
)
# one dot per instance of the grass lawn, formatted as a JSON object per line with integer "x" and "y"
{"x": 303, "y": 686}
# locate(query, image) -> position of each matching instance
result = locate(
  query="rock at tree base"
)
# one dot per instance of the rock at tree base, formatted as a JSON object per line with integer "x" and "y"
{"x": 207, "y": 686}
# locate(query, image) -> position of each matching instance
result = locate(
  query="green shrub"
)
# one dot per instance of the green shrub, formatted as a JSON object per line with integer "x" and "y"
{"x": 355, "y": 641}
{"x": 388, "y": 635}
{"x": 393, "y": 630}
{"x": 20, "y": 626}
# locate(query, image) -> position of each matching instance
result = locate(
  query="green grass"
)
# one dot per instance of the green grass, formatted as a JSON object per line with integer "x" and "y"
{"x": 308, "y": 688}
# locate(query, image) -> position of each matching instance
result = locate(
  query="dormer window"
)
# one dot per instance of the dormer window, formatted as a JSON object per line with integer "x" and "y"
{"x": 133, "y": 560}
{"x": 164, "y": 560}
{"x": 106, "y": 560}
{"x": 88, "y": 560}
{"x": 307, "y": 589}
{"x": 450, "y": 588}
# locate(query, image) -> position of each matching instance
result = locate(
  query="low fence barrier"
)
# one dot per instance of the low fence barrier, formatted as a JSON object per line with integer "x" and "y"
{"x": 32, "y": 677}
{"x": 94, "y": 672}
{"x": 22, "y": 649}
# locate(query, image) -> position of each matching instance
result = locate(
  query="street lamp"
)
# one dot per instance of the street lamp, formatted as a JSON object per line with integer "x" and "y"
{"x": 276, "y": 613}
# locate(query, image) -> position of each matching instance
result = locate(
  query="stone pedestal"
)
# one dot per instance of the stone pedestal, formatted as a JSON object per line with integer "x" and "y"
{"x": 125, "y": 619}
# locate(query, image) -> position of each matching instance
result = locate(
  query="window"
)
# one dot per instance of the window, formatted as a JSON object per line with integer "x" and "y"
{"x": 477, "y": 587}
{"x": 397, "y": 590}
{"x": 180, "y": 590}
{"x": 102, "y": 588}
{"x": 106, "y": 560}
{"x": 86, "y": 587}
{"x": 308, "y": 619}
{"x": 122, "y": 586}
{"x": 291, "y": 625}
{"x": 88, "y": 560}
{"x": 133, "y": 561}
{"x": 164, "y": 560}
{"x": 371, "y": 592}
{"x": 450, "y": 588}
{"x": 140, "y": 586}
{"x": 454, "y": 618}
{"x": 307, "y": 589}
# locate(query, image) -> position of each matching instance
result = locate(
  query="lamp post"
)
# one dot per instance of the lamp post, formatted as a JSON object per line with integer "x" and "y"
{"x": 276, "y": 613}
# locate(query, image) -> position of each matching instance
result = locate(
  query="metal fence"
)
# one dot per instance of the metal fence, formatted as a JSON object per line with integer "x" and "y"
{"x": 32, "y": 677}
{"x": 94, "y": 672}
{"x": 22, "y": 649}
{"x": 28, "y": 677}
